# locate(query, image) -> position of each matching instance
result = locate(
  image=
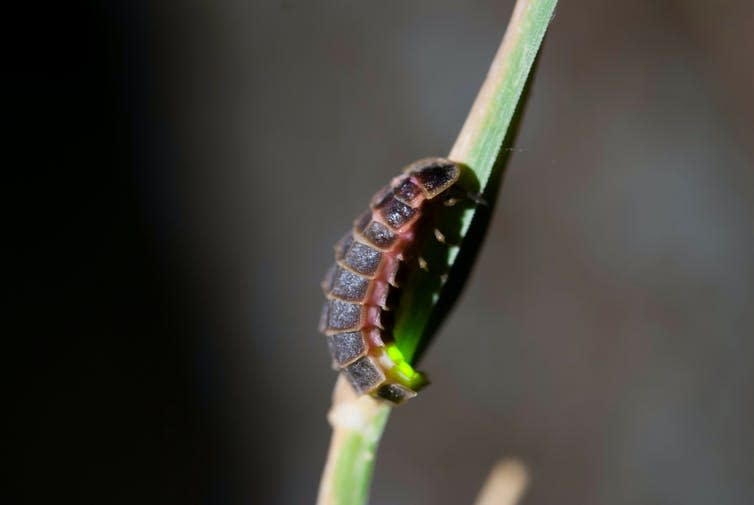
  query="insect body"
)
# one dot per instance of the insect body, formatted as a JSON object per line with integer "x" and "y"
{"x": 361, "y": 286}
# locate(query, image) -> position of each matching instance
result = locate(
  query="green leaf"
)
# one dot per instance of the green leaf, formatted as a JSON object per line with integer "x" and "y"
{"x": 484, "y": 148}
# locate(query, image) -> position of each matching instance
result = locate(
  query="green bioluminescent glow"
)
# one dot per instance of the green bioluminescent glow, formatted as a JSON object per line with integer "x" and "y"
{"x": 405, "y": 373}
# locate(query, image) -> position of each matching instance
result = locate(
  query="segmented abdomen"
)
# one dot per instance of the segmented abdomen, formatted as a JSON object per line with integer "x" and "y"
{"x": 361, "y": 286}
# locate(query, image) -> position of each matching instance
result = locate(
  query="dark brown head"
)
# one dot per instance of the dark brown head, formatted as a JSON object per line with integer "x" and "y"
{"x": 434, "y": 175}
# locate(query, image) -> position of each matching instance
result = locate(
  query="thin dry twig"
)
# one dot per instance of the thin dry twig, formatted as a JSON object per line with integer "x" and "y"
{"x": 505, "y": 485}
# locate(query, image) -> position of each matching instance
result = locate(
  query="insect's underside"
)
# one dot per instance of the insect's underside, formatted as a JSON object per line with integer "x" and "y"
{"x": 361, "y": 286}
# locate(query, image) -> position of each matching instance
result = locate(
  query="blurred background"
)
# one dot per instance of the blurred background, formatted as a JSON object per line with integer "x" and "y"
{"x": 181, "y": 171}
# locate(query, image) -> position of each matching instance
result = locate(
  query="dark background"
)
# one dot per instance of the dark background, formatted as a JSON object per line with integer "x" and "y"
{"x": 178, "y": 171}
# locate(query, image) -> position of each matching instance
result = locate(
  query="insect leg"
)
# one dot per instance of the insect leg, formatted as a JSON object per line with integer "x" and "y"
{"x": 443, "y": 239}
{"x": 454, "y": 195}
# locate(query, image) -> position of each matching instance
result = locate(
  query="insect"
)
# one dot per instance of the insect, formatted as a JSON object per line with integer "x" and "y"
{"x": 363, "y": 284}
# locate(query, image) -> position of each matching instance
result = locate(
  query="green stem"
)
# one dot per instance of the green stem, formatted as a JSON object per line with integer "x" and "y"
{"x": 358, "y": 423}
{"x": 354, "y": 467}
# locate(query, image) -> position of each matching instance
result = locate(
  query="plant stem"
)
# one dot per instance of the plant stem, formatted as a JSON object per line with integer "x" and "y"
{"x": 358, "y": 422}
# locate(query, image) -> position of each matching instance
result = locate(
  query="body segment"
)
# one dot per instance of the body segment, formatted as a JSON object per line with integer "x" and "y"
{"x": 362, "y": 284}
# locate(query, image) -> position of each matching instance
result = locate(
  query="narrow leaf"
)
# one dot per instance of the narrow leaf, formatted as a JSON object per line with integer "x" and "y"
{"x": 483, "y": 146}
